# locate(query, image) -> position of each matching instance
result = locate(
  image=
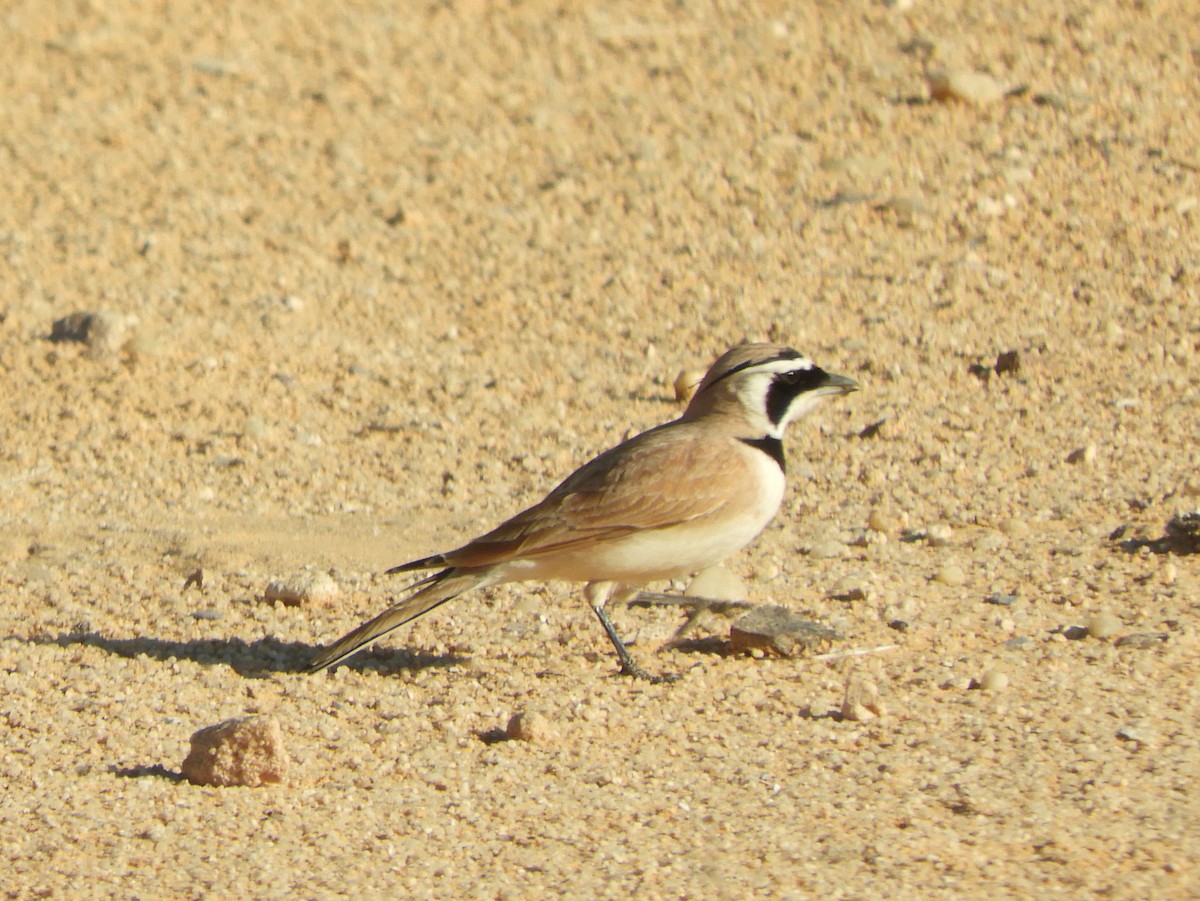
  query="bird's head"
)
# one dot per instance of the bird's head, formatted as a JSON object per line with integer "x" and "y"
{"x": 768, "y": 384}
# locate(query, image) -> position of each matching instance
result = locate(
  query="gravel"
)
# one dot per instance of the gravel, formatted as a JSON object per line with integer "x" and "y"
{"x": 384, "y": 286}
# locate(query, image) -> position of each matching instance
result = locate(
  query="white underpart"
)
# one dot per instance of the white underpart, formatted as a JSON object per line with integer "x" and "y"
{"x": 657, "y": 554}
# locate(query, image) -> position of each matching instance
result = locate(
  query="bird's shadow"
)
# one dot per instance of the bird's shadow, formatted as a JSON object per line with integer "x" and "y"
{"x": 252, "y": 659}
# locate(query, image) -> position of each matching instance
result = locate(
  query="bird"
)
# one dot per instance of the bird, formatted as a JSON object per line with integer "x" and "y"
{"x": 664, "y": 504}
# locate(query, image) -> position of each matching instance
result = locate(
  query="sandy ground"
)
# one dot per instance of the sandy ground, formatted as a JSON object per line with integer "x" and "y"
{"x": 375, "y": 279}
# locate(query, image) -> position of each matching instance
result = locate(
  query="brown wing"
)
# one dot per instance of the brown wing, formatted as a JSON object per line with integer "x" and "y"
{"x": 657, "y": 479}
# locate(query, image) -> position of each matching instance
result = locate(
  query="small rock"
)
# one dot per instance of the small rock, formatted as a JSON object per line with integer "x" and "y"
{"x": 991, "y": 540}
{"x": 1008, "y": 363}
{"x": 1141, "y": 640}
{"x": 875, "y": 429}
{"x": 1103, "y": 625}
{"x": 827, "y": 550}
{"x": 532, "y": 726}
{"x": 1014, "y": 528}
{"x": 304, "y": 588}
{"x": 1184, "y": 527}
{"x": 254, "y": 429}
{"x": 1051, "y": 99}
{"x": 776, "y": 630}
{"x": 105, "y": 333}
{"x": 951, "y": 574}
{"x": 1085, "y": 455}
{"x": 717, "y": 583}
{"x": 939, "y": 534}
{"x": 882, "y": 522}
{"x": 992, "y": 680}
{"x": 1001, "y": 600}
{"x": 990, "y": 207}
{"x": 246, "y": 751}
{"x": 848, "y": 588}
{"x": 1144, "y": 736}
{"x": 861, "y": 701}
{"x": 14, "y": 547}
{"x": 906, "y": 207}
{"x": 964, "y": 86}
{"x": 685, "y": 384}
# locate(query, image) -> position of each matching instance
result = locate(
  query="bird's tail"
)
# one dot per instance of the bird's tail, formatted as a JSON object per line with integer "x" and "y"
{"x": 437, "y": 589}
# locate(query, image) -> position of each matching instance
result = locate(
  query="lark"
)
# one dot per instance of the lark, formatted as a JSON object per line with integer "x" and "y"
{"x": 667, "y": 503}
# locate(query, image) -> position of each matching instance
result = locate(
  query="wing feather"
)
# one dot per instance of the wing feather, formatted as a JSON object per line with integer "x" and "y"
{"x": 658, "y": 479}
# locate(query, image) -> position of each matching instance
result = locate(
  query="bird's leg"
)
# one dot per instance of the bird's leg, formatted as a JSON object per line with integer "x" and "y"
{"x": 598, "y": 594}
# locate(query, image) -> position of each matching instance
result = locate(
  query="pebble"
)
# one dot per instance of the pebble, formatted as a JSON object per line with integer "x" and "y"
{"x": 1001, "y": 600}
{"x": 964, "y": 86}
{"x": 827, "y": 550}
{"x": 719, "y": 584}
{"x": 14, "y": 547}
{"x": 254, "y": 429}
{"x": 776, "y": 630}
{"x": 531, "y": 726}
{"x": 1184, "y": 527}
{"x": 939, "y": 534}
{"x": 1142, "y": 735}
{"x": 246, "y": 751}
{"x": 304, "y": 588}
{"x": 1085, "y": 455}
{"x": 1008, "y": 362}
{"x": 991, "y": 540}
{"x": 848, "y": 588}
{"x": 1014, "y": 528}
{"x": 993, "y": 680}
{"x": 951, "y": 574}
{"x": 1141, "y": 640}
{"x": 882, "y": 522}
{"x": 990, "y": 208}
{"x": 906, "y": 207}
{"x": 1103, "y": 625}
{"x": 104, "y": 332}
{"x": 685, "y": 384}
{"x": 861, "y": 701}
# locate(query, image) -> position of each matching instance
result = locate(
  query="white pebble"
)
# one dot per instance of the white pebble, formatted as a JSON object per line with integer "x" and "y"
{"x": 993, "y": 680}
{"x": 1085, "y": 455}
{"x": 717, "y": 583}
{"x": 951, "y": 574}
{"x": 307, "y": 587}
{"x": 965, "y": 86}
{"x": 685, "y": 384}
{"x": 1103, "y": 625}
{"x": 827, "y": 550}
{"x": 882, "y": 522}
{"x": 939, "y": 534}
{"x": 532, "y": 726}
{"x": 991, "y": 540}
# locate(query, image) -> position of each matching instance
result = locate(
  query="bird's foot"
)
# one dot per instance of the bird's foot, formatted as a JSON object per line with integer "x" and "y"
{"x": 629, "y": 666}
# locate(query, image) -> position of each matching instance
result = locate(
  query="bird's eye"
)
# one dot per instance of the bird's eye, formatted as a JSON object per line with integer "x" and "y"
{"x": 791, "y": 377}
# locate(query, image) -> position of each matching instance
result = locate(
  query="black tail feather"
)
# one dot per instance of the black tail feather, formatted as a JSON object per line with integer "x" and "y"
{"x": 423, "y": 563}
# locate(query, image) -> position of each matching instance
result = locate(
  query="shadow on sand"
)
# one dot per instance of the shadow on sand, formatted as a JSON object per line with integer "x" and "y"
{"x": 252, "y": 659}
